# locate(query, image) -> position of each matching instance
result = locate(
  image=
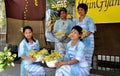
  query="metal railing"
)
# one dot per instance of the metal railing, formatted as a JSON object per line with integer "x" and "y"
{"x": 106, "y": 63}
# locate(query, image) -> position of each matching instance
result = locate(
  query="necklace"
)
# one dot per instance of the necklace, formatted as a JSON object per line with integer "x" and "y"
{"x": 63, "y": 23}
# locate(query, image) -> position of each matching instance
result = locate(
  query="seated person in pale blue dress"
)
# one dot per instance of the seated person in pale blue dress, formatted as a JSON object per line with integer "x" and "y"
{"x": 62, "y": 25}
{"x": 28, "y": 65}
{"x": 74, "y": 63}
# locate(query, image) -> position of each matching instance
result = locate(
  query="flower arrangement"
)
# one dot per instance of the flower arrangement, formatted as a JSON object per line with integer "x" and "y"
{"x": 52, "y": 59}
{"x": 21, "y": 30}
{"x": 51, "y": 22}
{"x": 43, "y": 55}
{"x": 53, "y": 56}
{"x": 61, "y": 36}
{"x": 6, "y": 58}
{"x": 84, "y": 33}
{"x": 59, "y": 33}
{"x": 39, "y": 54}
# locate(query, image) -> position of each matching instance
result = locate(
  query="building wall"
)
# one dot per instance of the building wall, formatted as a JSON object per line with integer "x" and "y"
{"x": 107, "y": 39}
{"x": 14, "y": 36}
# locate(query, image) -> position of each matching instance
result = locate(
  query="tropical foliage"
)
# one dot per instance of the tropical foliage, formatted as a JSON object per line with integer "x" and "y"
{"x": 6, "y": 58}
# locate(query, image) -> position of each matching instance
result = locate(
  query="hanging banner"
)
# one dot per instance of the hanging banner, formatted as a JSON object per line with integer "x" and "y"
{"x": 102, "y": 11}
{"x": 52, "y": 7}
{"x": 25, "y": 9}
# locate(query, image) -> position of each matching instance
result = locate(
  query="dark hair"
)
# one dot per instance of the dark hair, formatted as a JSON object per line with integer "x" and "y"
{"x": 28, "y": 27}
{"x": 78, "y": 28}
{"x": 84, "y": 6}
{"x": 62, "y": 9}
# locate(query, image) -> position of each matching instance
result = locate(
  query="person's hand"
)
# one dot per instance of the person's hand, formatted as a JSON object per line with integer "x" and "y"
{"x": 64, "y": 37}
{"x": 33, "y": 59}
{"x": 59, "y": 64}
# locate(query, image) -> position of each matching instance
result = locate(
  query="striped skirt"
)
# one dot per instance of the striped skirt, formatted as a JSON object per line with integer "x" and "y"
{"x": 35, "y": 69}
{"x": 65, "y": 70}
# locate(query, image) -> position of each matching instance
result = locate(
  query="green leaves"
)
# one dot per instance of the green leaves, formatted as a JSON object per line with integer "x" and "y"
{"x": 6, "y": 58}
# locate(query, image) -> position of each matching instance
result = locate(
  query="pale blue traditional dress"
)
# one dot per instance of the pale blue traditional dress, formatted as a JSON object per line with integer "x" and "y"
{"x": 88, "y": 25}
{"x": 62, "y": 26}
{"x": 28, "y": 67}
{"x": 79, "y": 69}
